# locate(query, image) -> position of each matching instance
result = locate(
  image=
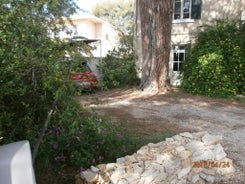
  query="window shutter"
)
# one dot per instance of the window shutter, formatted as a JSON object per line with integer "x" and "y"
{"x": 196, "y": 9}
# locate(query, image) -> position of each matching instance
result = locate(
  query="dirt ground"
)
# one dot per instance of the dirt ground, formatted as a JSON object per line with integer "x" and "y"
{"x": 176, "y": 111}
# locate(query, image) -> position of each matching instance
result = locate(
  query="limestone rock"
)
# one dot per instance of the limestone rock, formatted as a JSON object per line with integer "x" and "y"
{"x": 110, "y": 166}
{"x": 211, "y": 139}
{"x": 203, "y": 155}
{"x": 89, "y": 176}
{"x": 137, "y": 169}
{"x": 177, "y": 138}
{"x": 180, "y": 148}
{"x": 160, "y": 158}
{"x": 203, "y": 175}
{"x": 219, "y": 152}
{"x": 184, "y": 172}
{"x": 131, "y": 158}
{"x": 101, "y": 167}
{"x": 169, "y": 139}
{"x": 117, "y": 175}
{"x": 123, "y": 181}
{"x": 210, "y": 179}
{"x": 186, "y": 134}
{"x": 225, "y": 167}
{"x": 195, "y": 145}
{"x": 131, "y": 178}
{"x": 94, "y": 169}
{"x": 196, "y": 158}
{"x": 160, "y": 178}
{"x": 185, "y": 154}
{"x": 186, "y": 163}
{"x": 121, "y": 160}
{"x": 199, "y": 135}
{"x": 143, "y": 150}
{"x": 195, "y": 178}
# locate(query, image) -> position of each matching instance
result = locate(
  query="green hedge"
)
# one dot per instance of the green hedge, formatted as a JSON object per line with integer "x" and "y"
{"x": 216, "y": 64}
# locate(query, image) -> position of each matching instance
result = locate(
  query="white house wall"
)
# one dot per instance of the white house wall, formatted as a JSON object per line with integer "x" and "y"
{"x": 183, "y": 31}
{"x": 85, "y": 28}
{"x": 108, "y": 37}
{"x": 92, "y": 27}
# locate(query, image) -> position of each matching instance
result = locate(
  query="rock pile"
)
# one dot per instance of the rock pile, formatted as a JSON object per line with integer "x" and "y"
{"x": 184, "y": 158}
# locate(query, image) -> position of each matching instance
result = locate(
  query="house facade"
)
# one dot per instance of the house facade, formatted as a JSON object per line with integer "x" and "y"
{"x": 188, "y": 15}
{"x": 94, "y": 31}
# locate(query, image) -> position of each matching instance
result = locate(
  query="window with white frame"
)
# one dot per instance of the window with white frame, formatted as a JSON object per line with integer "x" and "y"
{"x": 187, "y": 9}
{"x": 179, "y": 55}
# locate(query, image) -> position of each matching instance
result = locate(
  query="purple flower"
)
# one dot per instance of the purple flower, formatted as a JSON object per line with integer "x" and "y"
{"x": 63, "y": 158}
{"x": 82, "y": 169}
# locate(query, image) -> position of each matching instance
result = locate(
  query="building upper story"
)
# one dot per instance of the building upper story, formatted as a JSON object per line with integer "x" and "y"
{"x": 190, "y": 14}
{"x": 95, "y": 31}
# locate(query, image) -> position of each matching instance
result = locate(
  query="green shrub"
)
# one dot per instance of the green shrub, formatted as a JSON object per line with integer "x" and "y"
{"x": 91, "y": 141}
{"x": 216, "y": 64}
{"x": 119, "y": 72}
{"x": 119, "y": 68}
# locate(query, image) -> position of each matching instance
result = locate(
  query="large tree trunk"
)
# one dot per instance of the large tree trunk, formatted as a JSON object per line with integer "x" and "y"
{"x": 153, "y": 28}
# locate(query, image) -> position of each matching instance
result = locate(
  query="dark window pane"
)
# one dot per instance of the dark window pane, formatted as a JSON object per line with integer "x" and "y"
{"x": 181, "y": 56}
{"x": 177, "y": 10}
{"x": 176, "y": 58}
{"x": 186, "y": 15}
{"x": 180, "y": 66}
{"x": 196, "y": 9}
{"x": 176, "y": 66}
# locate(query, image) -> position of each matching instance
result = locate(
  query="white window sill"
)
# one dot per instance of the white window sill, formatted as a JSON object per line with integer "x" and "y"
{"x": 178, "y": 21}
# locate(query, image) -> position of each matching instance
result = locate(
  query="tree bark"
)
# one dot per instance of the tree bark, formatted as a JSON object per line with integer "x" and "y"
{"x": 154, "y": 24}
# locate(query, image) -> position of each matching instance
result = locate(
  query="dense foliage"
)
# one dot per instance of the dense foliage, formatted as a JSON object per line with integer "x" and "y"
{"x": 32, "y": 77}
{"x": 37, "y": 94}
{"x": 216, "y": 64}
{"x": 119, "y": 70}
{"x": 118, "y": 13}
{"x": 90, "y": 141}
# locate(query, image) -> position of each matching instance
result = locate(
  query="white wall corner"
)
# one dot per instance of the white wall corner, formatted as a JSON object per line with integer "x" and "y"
{"x": 243, "y": 15}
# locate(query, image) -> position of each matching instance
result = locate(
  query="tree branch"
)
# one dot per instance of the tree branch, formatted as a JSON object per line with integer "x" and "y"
{"x": 45, "y": 127}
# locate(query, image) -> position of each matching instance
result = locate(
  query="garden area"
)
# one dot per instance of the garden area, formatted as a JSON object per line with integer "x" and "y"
{"x": 69, "y": 129}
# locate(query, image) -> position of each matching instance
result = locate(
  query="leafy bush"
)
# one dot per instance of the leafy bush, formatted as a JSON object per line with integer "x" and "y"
{"x": 119, "y": 68}
{"x": 216, "y": 64}
{"x": 31, "y": 78}
{"x": 90, "y": 141}
{"x": 119, "y": 72}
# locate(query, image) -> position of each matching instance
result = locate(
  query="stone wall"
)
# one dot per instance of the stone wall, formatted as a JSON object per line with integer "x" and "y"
{"x": 184, "y": 158}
